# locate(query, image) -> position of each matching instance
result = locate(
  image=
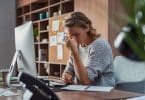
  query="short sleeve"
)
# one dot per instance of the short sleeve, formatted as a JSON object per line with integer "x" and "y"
{"x": 99, "y": 58}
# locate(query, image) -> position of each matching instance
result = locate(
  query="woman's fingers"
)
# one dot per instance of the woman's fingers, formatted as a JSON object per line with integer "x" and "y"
{"x": 67, "y": 40}
{"x": 67, "y": 78}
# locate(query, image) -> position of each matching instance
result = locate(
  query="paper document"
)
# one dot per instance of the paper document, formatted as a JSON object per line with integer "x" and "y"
{"x": 55, "y": 25}
{"x": 87, "y": 88}
{"x": 59, "y": 52}
{"x": 53, "y": 40}
{"x": 6, "y": 92}
{"x": 137, "y": 98}
{"x": 51, "y": 83}
{"x": 27, "y": 95}
{"x": 60, "y": 37}
{"x": 75, "y": 87}
{"x": 99, "y": 88}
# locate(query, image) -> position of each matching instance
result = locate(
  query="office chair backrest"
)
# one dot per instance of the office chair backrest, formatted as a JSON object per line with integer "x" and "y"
{"x": 128, "y": 71}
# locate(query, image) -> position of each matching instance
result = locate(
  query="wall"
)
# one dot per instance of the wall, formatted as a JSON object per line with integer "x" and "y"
{"x": 7, "y": 24}
{"x": 102, "y": 14}
{"x": 97, "y": 11}
{"x": 116, "y": 9}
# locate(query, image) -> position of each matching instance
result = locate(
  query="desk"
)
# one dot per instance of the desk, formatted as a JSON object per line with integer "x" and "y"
{"x": 77, "y": 95}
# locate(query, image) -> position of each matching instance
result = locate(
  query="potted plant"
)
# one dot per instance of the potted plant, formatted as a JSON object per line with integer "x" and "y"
{"x": 36, "y": 34}
{"x": 132, "y": 44}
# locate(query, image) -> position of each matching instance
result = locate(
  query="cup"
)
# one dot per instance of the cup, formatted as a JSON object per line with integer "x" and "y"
{"x": 4, "y": 73}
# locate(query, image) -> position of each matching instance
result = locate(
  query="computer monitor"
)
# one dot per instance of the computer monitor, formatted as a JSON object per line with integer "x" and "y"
{"x": 24, "y": 42}
{"x": 24, "y": 55}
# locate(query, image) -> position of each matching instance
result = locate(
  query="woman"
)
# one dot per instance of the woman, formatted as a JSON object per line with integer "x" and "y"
{"x": 91, "y": 60}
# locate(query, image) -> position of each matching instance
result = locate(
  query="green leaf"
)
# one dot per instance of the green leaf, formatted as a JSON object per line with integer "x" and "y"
{"x": 35, "y": 32}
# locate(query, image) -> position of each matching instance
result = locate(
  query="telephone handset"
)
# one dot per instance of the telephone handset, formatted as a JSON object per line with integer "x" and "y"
{"x": 38, "y": 88}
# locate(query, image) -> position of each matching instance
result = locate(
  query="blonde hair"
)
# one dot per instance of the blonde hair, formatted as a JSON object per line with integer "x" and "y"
{"x": 81, "y": 20}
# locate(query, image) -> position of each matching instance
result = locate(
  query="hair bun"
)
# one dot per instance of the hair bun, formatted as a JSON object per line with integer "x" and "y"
{"x": 77, "y": 15}
{"x": 80, "y": 16}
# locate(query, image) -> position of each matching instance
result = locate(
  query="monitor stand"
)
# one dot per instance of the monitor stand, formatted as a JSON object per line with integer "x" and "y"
{"x": 12, "y": 67}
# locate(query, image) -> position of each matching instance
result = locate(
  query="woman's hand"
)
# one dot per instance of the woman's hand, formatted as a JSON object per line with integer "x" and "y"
{"x": 67, "y": 78}
{"x": 72, "y": 44}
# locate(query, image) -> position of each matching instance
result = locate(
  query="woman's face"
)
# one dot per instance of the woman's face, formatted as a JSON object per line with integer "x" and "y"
{"x": 79, "y": 33}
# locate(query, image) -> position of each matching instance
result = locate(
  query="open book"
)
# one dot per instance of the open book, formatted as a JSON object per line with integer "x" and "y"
{"x": 87, "y": 88}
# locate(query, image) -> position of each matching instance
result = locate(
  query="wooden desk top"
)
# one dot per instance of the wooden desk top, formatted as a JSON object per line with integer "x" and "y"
{"x": 77, "y": 95}
{"x": 114, "y": 94}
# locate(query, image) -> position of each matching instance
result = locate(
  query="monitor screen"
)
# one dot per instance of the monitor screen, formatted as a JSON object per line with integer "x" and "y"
{"x": 24, "y": 42}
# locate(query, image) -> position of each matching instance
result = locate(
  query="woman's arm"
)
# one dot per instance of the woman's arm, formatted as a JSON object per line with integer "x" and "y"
{"x": 68, "y": 74}
{"x": 79, "y": 68}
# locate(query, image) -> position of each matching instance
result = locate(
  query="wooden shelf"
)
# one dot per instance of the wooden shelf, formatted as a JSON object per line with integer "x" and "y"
{"x": 44, "y": 43}
{"x": 36, "y": 43}
{"x": 41, "y": 43}
{"x": 54, "y": 2}
{"x": 22, "y": 3}
{"x": 50, "y": 62}
{"x": 52, "y": 9}
{"x": 25, "y": 14}
{"x": 46, "y": 19}
{"x": 34, "y": 22}
{"x": 38, "y": 21}
{"x": 44, "y": 31}
{"x": 44, "y": 62}
{"x": 38, "y": 5}
{"x": 36, "y": 61}
{"x": 35, "y": 1}
{"x": 40, "y": 10}
{"x": 64, "y": 1}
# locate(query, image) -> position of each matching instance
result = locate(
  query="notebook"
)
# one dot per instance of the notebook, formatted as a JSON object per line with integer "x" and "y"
{"x": 87, "y": 88}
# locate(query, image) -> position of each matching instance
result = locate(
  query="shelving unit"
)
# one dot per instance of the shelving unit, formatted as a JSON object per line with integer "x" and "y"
{"x": 43, "y": 13}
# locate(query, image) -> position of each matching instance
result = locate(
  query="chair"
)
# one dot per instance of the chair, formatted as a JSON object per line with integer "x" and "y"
{"x": 129, "y": 75}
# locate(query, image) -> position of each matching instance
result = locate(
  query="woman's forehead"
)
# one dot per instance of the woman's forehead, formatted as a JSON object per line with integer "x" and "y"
{"x": 73, "y": 29}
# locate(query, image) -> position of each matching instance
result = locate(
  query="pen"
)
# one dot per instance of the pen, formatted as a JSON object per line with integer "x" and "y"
{"x": 85, "y": 89}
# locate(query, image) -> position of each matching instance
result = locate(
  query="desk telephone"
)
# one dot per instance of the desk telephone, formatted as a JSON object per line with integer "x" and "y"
{"x": 40, "y": 91}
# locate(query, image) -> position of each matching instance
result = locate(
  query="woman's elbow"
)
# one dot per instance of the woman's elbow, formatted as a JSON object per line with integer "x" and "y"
{"x": 86, "y": 83}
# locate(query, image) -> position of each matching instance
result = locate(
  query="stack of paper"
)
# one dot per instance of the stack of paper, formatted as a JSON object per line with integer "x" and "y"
{"x": 87, "y": 88}
{"x": 6, "y": 92}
